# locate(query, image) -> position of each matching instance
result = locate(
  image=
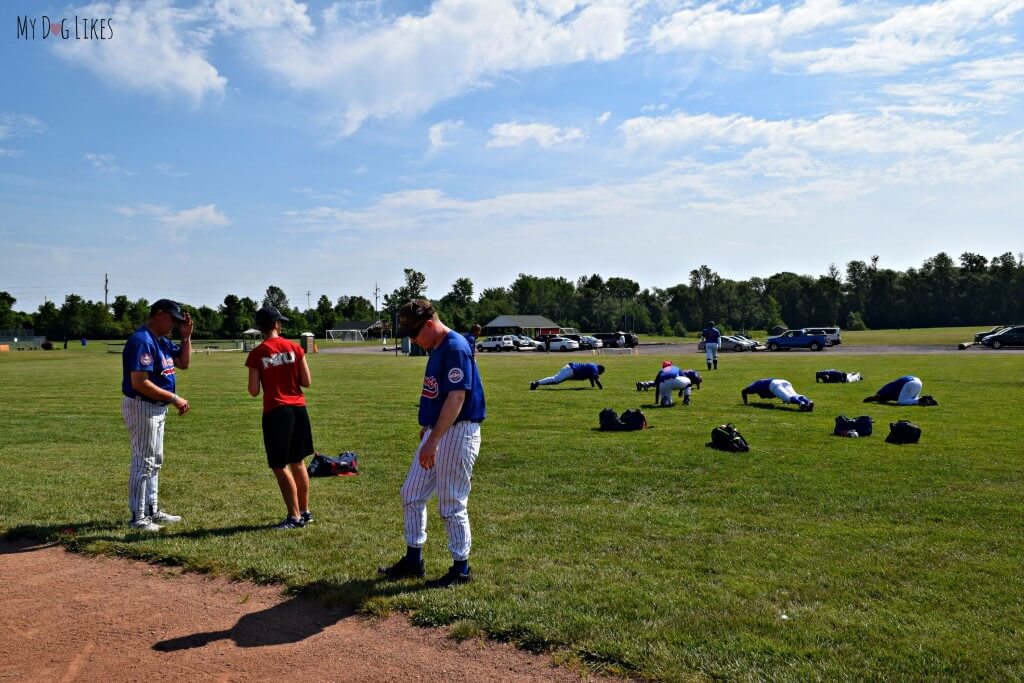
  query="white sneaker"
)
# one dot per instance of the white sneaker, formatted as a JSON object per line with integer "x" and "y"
{"x": 145, "y": 524}
{"x": 165, "y": 518}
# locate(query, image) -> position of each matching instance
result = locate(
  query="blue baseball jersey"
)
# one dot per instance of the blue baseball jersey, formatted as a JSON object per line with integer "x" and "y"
{"x": 665, "y": 374}
{"x": 584, "y": 371}
{"x": 761, "y": 388}
{"x": 451, "y": 367}
{"x": 891, "y": 391}
{"x": 145, "y": 352}
{"x": 691, "y": 375}
{"x": 711, "y": 334}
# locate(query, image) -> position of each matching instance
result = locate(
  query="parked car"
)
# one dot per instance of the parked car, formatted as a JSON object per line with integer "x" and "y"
{"x": 731, "y": 342}
{"x": 1010, "y": 336}
{"x": 563, "y": 344}
{"x": 499, "y": 343}
{"x": 832, "y": 336}
{"x": 757, "y": 344}
{"x": 585, "y": 341}
{"x": 797, "y": 339}
{"x": 611, "y": 339}
{"x": 995, "y": 330}
{"x": 524, "y": 343}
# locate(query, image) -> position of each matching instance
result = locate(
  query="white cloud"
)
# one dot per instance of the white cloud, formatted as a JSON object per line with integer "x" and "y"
{"x": 405, "y": 65}
{"x": 156, "y": 48}
{"x": 603, "y": 118}
{"x": 202, "y": 217}
{"x": 438, "y": 131}
{"x": 262, "y": 14}
{"x": 911, "y": 36}
{"x": 16, "y": 125}
{"x": 167, "y": 170}
{"x": 710, "y": 27}
{"x": 105, "y": 162}
{"x": 514, "y": 134}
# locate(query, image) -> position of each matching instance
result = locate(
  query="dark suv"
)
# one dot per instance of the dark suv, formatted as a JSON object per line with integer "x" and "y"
{"x": 611, "y": 339}
{"x": 1010, "y": 336}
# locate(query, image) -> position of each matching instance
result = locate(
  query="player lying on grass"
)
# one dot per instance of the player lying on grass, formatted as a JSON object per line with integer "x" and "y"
{"x": 905, "y": 391}
{"x": 589, "y": 371}
{"x": 778, "y": 388}
{"x": 833, "y": 376}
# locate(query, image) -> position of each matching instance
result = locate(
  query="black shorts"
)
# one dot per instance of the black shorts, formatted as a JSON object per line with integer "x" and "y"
{"x": 287, "y": 435}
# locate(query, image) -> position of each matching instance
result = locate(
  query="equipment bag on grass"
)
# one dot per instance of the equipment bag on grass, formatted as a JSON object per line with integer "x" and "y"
{"x": 862, "y": 425}
{"x": 345, "y": 465}
{"x": 903, "y": 431}
{"x": 631, "y": 420}
{"x": 726, "y": 438}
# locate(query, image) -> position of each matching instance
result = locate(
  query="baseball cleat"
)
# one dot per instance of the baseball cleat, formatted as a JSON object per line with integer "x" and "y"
{"x": 533, "y": 386}
{"x": 289, "y": 523}
{"x": 638, "y": 386}
{"x": 306, "y": 518}
{"x": 162, "y": 517}
{"x": 403, "y": 569}
{"x": 453, "y": 578}
{"x": 145, "y": 524}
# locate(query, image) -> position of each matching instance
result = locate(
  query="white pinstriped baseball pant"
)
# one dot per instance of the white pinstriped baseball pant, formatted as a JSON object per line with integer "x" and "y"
{"x": 910, "y": 393}
{"x": 559, "y": 377}
{"x": 450, "y": 478}
{"x": 667, "y": 386}
{"x": 145, "y": 422}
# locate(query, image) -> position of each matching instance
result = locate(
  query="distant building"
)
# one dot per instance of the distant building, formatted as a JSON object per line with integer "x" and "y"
{"x": 531, "y": 325}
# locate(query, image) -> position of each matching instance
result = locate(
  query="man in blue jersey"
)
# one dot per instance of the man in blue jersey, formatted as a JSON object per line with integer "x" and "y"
{"x": 588, "y": 371}
{"x": 905, "y": 391}
{"x": 711, "y": 336}
{"x": 671, "y": 378}
{"x": 451, "y": 410}
{"x": 472, "y": 336}
{"x": 778, "y": 388}
{"x": 148, "y": 362}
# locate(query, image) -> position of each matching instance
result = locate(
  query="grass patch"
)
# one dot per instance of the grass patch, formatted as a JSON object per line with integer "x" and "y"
{"x": 810, "y": 557}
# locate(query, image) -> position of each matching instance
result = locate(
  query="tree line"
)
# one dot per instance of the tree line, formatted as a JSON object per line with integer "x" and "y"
{"x": 942, "y": 292}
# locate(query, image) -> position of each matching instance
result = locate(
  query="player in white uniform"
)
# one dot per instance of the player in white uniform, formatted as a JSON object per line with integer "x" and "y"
{"x": 781, "y": 389}
{"x": 451, "y": 410}
{"x": 148, "y": 362}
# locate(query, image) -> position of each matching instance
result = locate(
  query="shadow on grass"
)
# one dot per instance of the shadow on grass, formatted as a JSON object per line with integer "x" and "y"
{"x": 297, "y": 618}
{"x": 28, "y": 537}
{"x": 774, "y": 406}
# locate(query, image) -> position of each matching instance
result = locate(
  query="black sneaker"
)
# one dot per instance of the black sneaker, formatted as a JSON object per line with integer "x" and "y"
{"x": 403, "y": 569}
{"x": 533, "y": 386}
{"x": 306, "y": 518}
{"x": 638, "y": 387}
{"x": 289, "y": 523}
{"x": 453, "y": 578}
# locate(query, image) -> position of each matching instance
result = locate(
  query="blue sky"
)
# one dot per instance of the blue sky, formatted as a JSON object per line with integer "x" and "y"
{"x": 221, "y": 146}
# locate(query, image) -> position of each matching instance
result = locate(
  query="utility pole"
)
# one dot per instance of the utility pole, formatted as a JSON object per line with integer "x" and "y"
{"x": 376, "y": 296}
{"x": 307, "y": 299}
{"x": 106, "y": 289}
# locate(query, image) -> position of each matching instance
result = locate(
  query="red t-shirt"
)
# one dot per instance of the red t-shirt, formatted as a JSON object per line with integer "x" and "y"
{"x": 278, "y": 361}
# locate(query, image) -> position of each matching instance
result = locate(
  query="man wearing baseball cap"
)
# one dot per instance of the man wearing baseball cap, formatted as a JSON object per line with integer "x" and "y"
{"x": 451, "y": 410}
{"x": 279, "y": 366}
{"x": 148, "y": 363}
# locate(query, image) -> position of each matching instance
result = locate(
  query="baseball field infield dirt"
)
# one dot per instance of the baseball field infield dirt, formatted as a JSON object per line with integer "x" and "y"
{"x": 69, "y": 617}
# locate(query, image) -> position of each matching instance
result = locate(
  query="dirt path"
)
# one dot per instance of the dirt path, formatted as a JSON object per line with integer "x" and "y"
{"x": 67, "y": 617}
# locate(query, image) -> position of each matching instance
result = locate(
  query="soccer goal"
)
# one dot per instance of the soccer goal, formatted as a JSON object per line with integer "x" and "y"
{"x": 346, "y": 335}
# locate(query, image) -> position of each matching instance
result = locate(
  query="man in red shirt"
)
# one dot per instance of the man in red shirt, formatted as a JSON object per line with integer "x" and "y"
{"x": 279, "y": 366}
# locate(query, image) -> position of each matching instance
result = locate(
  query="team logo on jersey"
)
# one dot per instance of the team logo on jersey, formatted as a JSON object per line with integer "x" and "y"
{"x": 278, "y": 359}
{"x": 146, "y": 359}
{"x": 455, "y": 375}
{"x": 430, "y": 387}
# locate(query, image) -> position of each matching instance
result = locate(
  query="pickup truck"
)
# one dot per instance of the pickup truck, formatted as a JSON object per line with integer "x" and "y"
{"x": 797, "y": 339}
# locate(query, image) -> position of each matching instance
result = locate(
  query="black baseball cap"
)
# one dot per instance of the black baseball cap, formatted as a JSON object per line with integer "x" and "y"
{"x": 412, "y": 316}
{"x": 172, "y": 307}
{"x": 268, "y": 314}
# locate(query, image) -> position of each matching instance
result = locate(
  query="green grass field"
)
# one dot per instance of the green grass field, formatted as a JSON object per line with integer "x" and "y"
{"x": 811, "y": 557}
